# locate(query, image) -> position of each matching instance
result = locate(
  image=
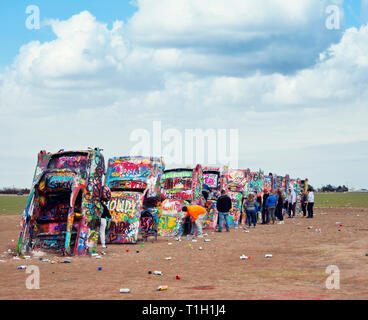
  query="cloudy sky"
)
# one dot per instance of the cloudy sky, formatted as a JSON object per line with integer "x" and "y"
{"x": 275, "y": 70}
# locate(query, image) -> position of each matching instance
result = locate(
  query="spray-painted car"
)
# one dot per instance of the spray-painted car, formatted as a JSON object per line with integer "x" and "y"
{"x": 64, "y": 206}
{"x": 214, "y": 179}
{"x": 179, "y": 188}
{"x": 134, "y": 184}
{"x": 236, "y": 184}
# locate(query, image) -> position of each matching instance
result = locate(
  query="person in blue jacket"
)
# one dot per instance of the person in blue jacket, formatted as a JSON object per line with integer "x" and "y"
{"x": 271, "y": 207}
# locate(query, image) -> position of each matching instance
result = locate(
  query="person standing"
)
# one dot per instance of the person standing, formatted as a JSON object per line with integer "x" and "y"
{"x": 106, "y": 197}
{"x": 196, "y": 213}
{"x": 270, "y": 208}
{"x": 250, "y": 207}
{"x": 259, "y": 205}
{"x": 304, "y": 201}
{"x": 292, "y": 203}
{"x": 264, "y": 210}
{"x": 223, "y": 206}
{"x": 310, "y": 204}
{"x": 279, "y": 206}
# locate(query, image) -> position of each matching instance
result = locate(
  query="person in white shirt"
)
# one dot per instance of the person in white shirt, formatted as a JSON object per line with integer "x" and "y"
{"x": 310, "y": 204}
{"x": 292, "y": 203}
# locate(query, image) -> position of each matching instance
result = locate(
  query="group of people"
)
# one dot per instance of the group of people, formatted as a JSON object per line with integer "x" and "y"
{"x": 255, "y": 208}
{"x": 272, "y": 205}
{"x": 264, "y": 208}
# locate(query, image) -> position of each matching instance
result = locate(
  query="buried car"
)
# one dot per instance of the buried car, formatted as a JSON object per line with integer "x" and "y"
{"x": 179, "y": 187}
{"x": 64, "y": 206}
{"x": 134, "y": 184}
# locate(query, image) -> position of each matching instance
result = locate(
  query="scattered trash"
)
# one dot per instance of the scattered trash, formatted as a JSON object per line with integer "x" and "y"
{"x": 103, "y": 253}
{"x": 169, "y": 244}
{"x": 207, "y": 240}
{"x": 187, "y": 237}
{"x": 98, "y": 257}
{"x": 45, "y": 260}
{"x": 162, "y": 288}
{"x": 53, "y": 262}
{"x": 310, "y": 227}
{"x": 247, "y": 231}
{"x": 142, "y": 245}
{"x": 366, "y": 254}
{"x": 194, "y": 240}
{"x": 189, "y": 245}
{"x": 26, "y": 257}
{"x": 21, "y": 267}
{"x": 125, "y": 290}
{"x": 298, "y": 224}
{"x": 94, "y": 254}
{"x": 338, "y": 222}
{"x": 137, "y": 251}
{"x": 243, "y": 257}
{"x": 67, "y": 261}
{"x": 99, "y": 268}
{"x": 200, "y": 248}
{"x": 177, "y": 277}
{"x": 16, "y": 258}
{"x": 168, "y": 258}
{"x": 38, "y": 253}
{"x": 178, "y": 239}
{"x": 127, "y": 250}
{"x": 158, "y": 273}
{"x": 320, "y": 230}
{"x": 268, "y": 255}
{"x": 205, "y": 234}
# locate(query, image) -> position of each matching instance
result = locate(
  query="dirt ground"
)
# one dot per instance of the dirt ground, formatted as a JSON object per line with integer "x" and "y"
{"x": 297, "y": 269}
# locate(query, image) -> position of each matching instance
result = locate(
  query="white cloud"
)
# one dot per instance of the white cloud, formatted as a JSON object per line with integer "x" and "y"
{"x": 92, "y": 85}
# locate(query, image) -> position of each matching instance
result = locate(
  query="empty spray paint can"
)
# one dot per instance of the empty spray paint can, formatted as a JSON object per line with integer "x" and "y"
{"x": 22, "y": 267}
{"x": 162, "y": 288}
{"x": 159, "y": 273}
{"x": 268, "y": 256}
{"x": 124, "y": 290}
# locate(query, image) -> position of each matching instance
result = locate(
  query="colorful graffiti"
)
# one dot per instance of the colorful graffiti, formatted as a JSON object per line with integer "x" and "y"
{"x": 170, "y": 220}
{"x": 64, "y": 200}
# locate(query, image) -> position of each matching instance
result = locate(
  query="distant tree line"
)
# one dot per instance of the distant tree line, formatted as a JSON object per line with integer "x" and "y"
{"x": 330, "y": 188}
{"x": 14, "y": 191}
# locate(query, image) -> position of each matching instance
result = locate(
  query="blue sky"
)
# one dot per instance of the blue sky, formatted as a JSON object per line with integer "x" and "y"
{"x": 14, "y": 34}
{"x": 295, "y": 91}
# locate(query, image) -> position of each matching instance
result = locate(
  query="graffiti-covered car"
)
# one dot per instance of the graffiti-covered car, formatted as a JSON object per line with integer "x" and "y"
{"x": 135, "y": 186}
{"x": 215, "y": 181}
{"x": 179, "y": 188}
{"x": 63, "y": 210}
{"x": 236, "y": 184}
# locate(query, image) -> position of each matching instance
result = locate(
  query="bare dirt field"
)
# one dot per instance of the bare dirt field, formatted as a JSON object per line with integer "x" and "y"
{"x": 297, "y": 269}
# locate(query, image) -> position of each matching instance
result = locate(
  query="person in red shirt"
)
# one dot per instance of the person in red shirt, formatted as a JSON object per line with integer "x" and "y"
{"x": 196, "y": 213}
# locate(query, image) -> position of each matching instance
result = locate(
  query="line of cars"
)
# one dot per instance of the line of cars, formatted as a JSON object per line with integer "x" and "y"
{"x": 64, "y": 207}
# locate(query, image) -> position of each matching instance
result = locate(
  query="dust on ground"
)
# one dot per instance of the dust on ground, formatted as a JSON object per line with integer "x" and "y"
{"x": 301, "y": 250}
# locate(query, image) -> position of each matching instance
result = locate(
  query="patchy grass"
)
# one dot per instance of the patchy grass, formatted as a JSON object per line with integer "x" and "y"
{"x": 337, "y": 200}
{"x": 12, "y": 204}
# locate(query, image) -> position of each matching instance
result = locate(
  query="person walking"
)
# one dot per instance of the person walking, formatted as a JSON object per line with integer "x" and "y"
{"x": 310, "y": 203}
{"x": 223, "y": 206}
{"x": 196, "y": 213}
{"x": 264, "y": 210}
{"x": 270, "y": 208}
{"x": 279, "y": 207}
{"x": 250, "y": 207}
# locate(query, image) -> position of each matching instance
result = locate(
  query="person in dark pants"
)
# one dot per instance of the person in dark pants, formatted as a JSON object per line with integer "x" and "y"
{"x": 310, "y": 204}
{"x": 259, "y": 204}
{"x": 264, "y": 209}
{"x": 250, "y": 207}
{"x": 271, "y": 207}
{"x": 279, "y": 206}
{"x": 304, "y": 201}
{"x": 223, "y": 206}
